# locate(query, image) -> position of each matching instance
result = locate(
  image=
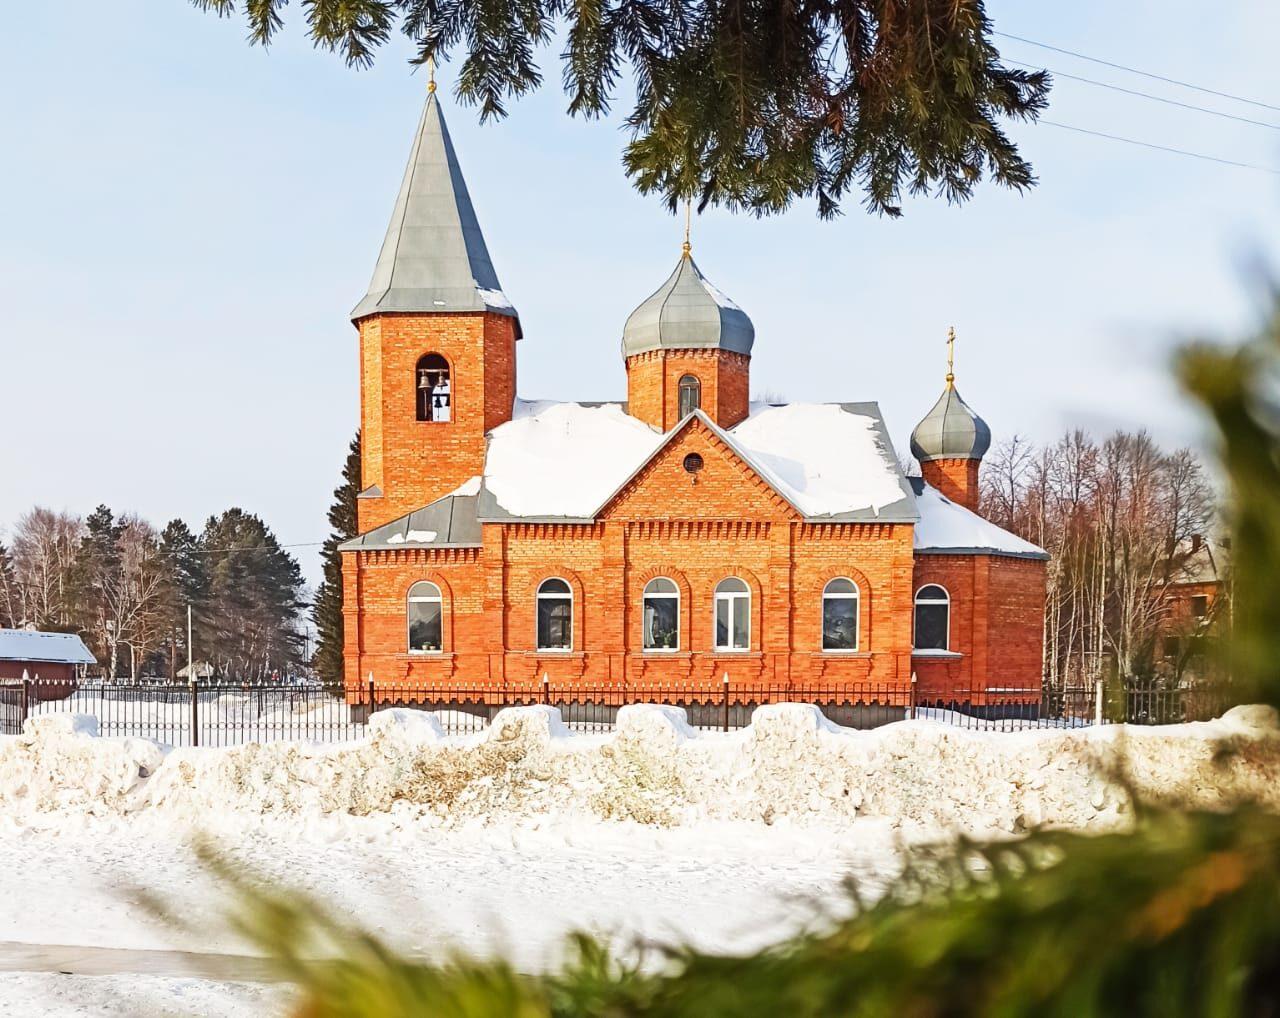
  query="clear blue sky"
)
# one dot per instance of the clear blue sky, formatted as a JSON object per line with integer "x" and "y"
{"x": 187, "y": 221}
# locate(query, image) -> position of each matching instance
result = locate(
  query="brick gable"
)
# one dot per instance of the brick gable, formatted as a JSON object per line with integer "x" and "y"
{"x": 726, "y": 488}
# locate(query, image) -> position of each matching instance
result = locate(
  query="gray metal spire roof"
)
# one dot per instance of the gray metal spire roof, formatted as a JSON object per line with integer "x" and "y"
{"x": 434, "y": 256}
{"x": 687, "y": 312}
{"x": 951, "y": 430}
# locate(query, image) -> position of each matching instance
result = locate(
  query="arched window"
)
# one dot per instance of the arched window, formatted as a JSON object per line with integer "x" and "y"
{"x": 733, "y": 615}
{"x": 933, "y": 618}
{"x": 840, "y": 615}
{"x": 661, "y": 614}
{"x": 555, "y": 615}
{"x": 690, "y": 395}
{"x": 434, "y": 392}
{"x": 426, "y": 618}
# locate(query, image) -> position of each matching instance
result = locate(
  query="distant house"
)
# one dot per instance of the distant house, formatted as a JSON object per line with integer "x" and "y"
{"x": 49, "y": 656}
{"x": 202, "y": 669}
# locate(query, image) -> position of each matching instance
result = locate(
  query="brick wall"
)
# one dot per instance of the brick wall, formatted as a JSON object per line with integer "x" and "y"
{"x": 653, "y": 385}
{"x": 997, "y": 624}
{"x": 415, "y": 462}
{"x": 695, "y": 529}
{"x": 957, "y": 479}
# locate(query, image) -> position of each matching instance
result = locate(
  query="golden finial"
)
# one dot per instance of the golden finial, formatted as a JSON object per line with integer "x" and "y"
{"x": 431, "y": 75}
{"x": 951, "y": 357}
{"x": 686, "y": 247}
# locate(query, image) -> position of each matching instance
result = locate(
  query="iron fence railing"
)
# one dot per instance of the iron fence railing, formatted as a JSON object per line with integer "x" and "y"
{"x": 233, "y": 713}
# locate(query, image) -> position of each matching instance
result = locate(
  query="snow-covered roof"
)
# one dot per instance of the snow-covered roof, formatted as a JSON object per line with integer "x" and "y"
{"x": 565, "y": 461}
{"x": 562, "y": 461}
{"x": 948, "y": 528}
{"x": 55, "y": 648}
{"x": 826, "y": 459}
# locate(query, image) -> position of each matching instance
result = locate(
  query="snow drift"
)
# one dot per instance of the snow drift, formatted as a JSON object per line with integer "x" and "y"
{"x": 790, "y": 763}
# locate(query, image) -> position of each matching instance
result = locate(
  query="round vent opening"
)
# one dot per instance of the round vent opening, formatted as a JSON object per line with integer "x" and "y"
{"x": 693, "y": 463}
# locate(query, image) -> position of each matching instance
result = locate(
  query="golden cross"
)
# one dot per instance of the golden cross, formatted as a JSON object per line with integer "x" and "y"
{"x": 688, "y": 222}
{"x": 951, "y": 356}
{"x": 431, "y": 75}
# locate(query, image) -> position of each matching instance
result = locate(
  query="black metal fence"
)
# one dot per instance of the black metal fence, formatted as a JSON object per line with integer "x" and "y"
{"x": 226, "y": 713}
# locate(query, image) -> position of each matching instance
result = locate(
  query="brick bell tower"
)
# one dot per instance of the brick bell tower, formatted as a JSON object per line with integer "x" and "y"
{"x": 951, "y": 441}
{"x": 437, "y": 340}
{"x": 688, "y": 347}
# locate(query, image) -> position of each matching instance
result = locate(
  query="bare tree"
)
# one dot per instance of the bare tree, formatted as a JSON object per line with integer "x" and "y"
{"x": 45, "y": 544}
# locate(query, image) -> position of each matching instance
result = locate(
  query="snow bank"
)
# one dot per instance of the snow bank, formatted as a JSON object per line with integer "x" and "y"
{"x": 654, "y": 768}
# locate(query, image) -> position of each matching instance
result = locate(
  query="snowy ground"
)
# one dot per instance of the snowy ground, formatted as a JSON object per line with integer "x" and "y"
{"x": 513, "y": 888}
{"x": 507, "y": 839}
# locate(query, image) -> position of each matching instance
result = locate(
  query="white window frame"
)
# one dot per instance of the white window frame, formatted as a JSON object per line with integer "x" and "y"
{"x": 644, "y": 596}
{"x": 573, "y": 620}
{"x": 697, "y": 391}
{"x": 856, "y": 598}
{"x": 411, "y": 598}
{"x": 731, "y": 596}
{"x": 916, "y": 601}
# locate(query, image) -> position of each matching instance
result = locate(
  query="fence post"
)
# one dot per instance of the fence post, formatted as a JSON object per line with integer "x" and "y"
{"x": 726, "y": 701}
{"x": 1097, "y": 702}
{"x": 195, "y": 710}
{"x": 372, "y": 704}
{"x": 546, "y": 688}
{"x": 913, "y": 696}
{"x": 23, "y": 702}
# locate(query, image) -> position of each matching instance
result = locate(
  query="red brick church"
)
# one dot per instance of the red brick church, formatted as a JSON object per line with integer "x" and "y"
{"x": 679, "y": 537}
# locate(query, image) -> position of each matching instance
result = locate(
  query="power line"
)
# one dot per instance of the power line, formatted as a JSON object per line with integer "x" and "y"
{"x": 1134, "y": 70}
{"x": 1148, "y": 95}
{"x": 1162, "y": 148}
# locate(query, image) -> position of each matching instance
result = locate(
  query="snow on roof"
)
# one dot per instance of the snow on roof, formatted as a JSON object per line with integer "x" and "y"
{"x": 30, "y": 645}
{"x": 824, "y": 459}
{"x": 564, "y": 459}
{"x": 946, "y": 526}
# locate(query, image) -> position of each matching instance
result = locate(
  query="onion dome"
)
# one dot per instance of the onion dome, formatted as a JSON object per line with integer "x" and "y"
{"x": 687, "y": 313}
{"x": 951, "y": 430}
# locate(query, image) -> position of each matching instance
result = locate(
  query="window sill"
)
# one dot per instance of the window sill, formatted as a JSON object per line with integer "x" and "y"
{"x": 735, "y": 654}
{"x": 659, "y": 652}
{"x": 425, "y": 655}
{"x": 947, "y": 655}
{"x": 846, "y": 653}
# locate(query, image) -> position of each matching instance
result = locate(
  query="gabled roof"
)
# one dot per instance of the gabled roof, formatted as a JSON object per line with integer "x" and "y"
{"x": 50, "y": 648}
{"x": 687, "y": 312}
{"x": 434, "y": 256}
{"x": 564, "y": 462}
{"x": 448, "y": 522}
{"x": 946, "y": 528}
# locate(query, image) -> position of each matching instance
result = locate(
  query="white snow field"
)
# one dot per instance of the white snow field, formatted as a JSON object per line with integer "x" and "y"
{"x": 507, "y": 839}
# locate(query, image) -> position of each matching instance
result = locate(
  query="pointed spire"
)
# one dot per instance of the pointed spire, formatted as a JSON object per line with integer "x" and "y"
{"x": 434, "y": 256}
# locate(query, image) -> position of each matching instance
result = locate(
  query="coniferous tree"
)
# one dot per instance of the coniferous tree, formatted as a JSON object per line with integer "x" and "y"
{"x": 97, "y": 563}
{"x": 255, "y": 593}
{"x": 186, "y": 584}
{"x": 746, "y": 105}
{"x": 326, "y": 610}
